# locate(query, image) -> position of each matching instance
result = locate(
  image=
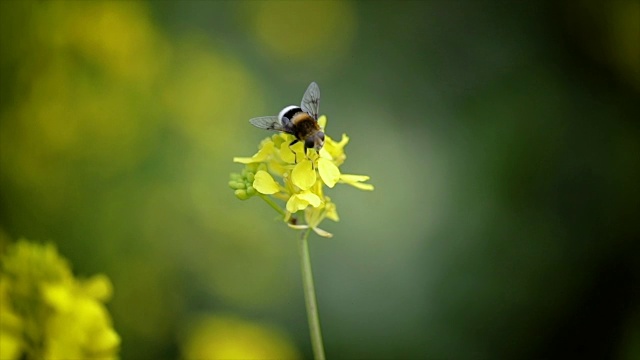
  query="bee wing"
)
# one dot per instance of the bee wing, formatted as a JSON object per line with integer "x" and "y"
{"x": 267, "y": 123}
{"x": 311, "y": 100}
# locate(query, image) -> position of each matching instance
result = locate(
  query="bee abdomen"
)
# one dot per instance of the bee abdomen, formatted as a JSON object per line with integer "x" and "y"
{"x": 289, "y": 112}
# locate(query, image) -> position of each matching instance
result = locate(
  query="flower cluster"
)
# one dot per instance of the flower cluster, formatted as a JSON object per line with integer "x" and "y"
{"x": 46, "y": 313}
{"x": 286, "y": 173}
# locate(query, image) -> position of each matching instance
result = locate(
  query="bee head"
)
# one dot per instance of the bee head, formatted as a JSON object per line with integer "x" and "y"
{"x": 315, "y": 141}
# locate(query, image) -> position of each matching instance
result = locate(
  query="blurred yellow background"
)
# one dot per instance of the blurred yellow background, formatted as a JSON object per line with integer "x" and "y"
{"x": 502, "y": 140}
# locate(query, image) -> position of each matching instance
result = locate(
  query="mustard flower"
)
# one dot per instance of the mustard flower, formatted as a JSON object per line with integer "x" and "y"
{"x": 293, "y": 181}
{"x": 46, "y": 313}
{"x": 274, "y": 174}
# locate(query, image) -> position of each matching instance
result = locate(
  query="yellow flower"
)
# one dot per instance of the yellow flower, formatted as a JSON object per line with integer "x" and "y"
{"x": 46, "y": 313}
{"x": 313, "y": 216}
{"x": 301, "y": 200}
{"x": 286, "y": 173}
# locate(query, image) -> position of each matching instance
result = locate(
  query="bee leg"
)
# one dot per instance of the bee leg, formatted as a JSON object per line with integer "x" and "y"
{"x": 295, "y": 157}
{"x": 308, "y": 158}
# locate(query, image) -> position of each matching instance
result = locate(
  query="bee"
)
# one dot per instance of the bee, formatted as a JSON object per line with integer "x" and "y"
{"x": 299, "y": 121}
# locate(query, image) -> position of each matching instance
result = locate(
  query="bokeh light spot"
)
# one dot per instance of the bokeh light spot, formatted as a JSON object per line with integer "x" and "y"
{"x": 303, "y": 30}
{"x": 228, "y": 337}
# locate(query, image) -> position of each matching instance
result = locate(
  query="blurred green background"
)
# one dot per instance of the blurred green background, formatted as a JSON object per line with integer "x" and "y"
{"x": 502, "y": 137}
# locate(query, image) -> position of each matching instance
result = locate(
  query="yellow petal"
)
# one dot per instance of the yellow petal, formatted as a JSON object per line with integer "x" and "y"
{"x": 362, "y": 186}
{"x": 343, "y": 141}
{"x": 322, "y": 232}
{"x": 331, "y": 212}
{"x": 311, "y": 198}
{"x": 104, "y": 340}
{"x": 353, "y": 178}
{"x": 265, "y": 151}
{"x": 356, "y": 181}
{"x": 243, "y": 160}
{"x": 322, "y": 121}
{"x": 286, "y": 153}
{"x": 334, "y": 146}
{"x": 58, "y": 296}
{"x": 298, "y": 227}
{"x": 277, "y": 168}
{"x": 336, "y": 149}
{"x": 264, "y": 183}
{"x": 295, "y": 203}
{"x": 302, "y": 200}
{"x": 99, "y": 287}
{"x": 325, "y": 154}
{"x": 10, "y": 345}
{"x": 329, "y": 172}
{"x": 303, "y": 175}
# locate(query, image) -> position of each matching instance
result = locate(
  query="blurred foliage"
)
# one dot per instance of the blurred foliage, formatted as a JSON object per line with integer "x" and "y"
{"x": 502, "y": 139}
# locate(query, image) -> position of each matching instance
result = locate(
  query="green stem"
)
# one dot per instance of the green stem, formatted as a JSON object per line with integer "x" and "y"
{"x": 273, "y": 204}
{"x": 310, "y": 298}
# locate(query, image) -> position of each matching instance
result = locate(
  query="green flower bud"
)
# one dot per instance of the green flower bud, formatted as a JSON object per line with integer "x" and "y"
{"x": 241, "y": 194}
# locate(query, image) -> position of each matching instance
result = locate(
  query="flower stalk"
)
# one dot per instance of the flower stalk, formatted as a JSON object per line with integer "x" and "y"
{"x": 273, "y": 205}
{"x": 310, "y": 297}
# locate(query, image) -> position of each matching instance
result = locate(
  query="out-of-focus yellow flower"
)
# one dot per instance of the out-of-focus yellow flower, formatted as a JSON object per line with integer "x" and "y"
{"x": 274, "y": 172}
{"x": 11, "y": 327}
{"x": 228, "y": 337}
{"x": 46, "y": 313}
